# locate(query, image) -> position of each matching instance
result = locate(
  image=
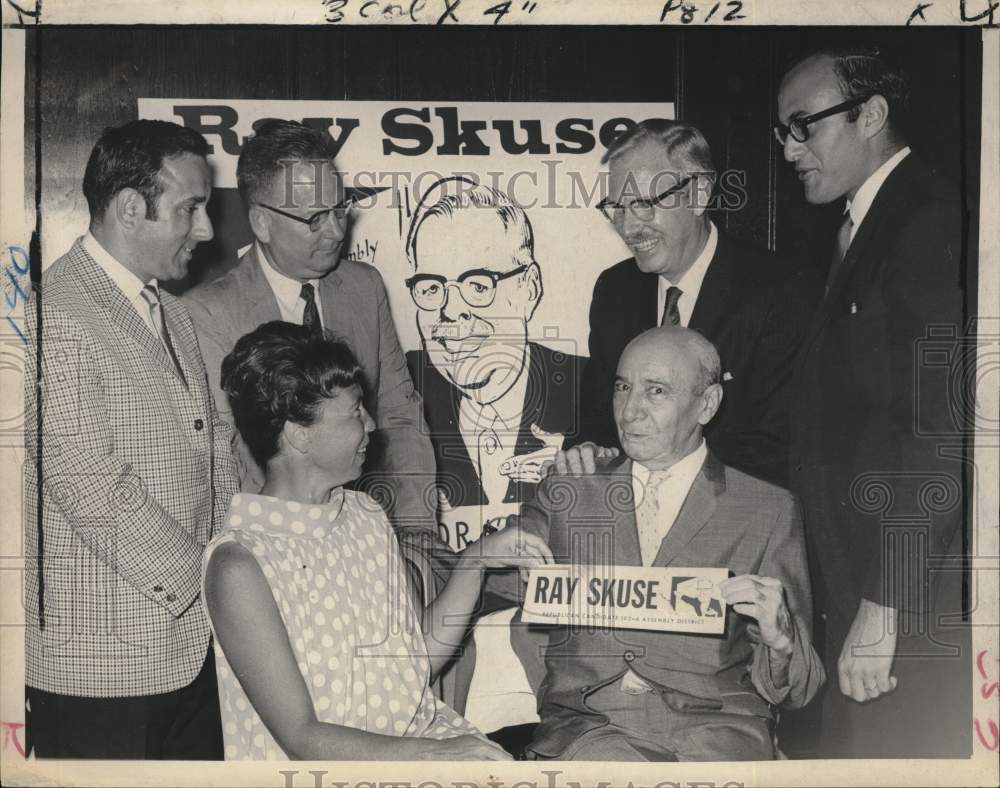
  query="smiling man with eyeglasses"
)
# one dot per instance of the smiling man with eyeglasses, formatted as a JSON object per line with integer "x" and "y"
{"x": 299, "y": 211}
{"x": 686, "y": 272}
{"x": 866, "y": 415}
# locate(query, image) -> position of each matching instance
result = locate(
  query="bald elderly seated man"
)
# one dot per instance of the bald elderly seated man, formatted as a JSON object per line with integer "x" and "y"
{"x": 640, "y": 695}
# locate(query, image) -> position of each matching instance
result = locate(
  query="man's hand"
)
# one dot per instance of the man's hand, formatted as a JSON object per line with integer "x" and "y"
{"x": 763, "y": 599}
{"x": 866, "y": 657}
{"x": 534, "y": 467}
{"x": 582, "y": 460}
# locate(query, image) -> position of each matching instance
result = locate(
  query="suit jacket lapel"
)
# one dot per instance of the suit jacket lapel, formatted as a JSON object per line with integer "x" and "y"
{"x": 626, "y": 542}
{"x": 867, "y": 237}
{"x": 696, "y": 511}
{"x": 712, "y": 304}
{"x": 262, "y": 305}
{"x": 123, "y": 315}
{"x": 456, "y": 468}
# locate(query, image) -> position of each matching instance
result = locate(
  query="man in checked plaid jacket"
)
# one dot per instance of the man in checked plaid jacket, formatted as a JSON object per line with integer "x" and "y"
{"x": 136, "y": 473}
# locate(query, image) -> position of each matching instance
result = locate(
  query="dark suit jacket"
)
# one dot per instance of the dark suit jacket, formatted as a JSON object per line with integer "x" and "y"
{"x": 551, "y": 404}
{"x": 728, "y": 520}
{"x": 355, "y": 309}
{"x": 872, "y": 409}
{"x": 753, "y": 309}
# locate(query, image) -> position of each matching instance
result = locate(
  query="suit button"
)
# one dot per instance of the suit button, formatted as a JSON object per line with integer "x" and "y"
{"x": 629, "y": 656}
{"x": 171, "y": 598}
{"x": 199, "y": 424}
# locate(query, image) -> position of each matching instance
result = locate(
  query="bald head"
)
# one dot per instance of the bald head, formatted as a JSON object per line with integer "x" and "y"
{"x": 666, "y": 390}
{"x": 699, "y": 356}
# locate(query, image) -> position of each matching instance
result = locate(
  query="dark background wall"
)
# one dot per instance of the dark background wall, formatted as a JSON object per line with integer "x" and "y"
{"x": 724, "y": 80}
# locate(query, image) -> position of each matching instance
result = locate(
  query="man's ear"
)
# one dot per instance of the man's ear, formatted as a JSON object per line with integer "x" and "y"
{"x": 711, "y": 399}
{"x": 129, "y": 207}
{"x": 260, "y": 224}
{"x": 295, "y": 437}
{"x": 533, "y": 283}
{"x": 701, "y": 187}
{"x": 874, "y": 116}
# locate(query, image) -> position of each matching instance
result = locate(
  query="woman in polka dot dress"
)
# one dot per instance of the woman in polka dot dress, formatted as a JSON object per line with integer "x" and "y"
{"x": 320, "y": 653}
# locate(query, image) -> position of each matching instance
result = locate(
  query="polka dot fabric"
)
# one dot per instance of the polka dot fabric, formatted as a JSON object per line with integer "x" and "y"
{"x": 338, "y": 580}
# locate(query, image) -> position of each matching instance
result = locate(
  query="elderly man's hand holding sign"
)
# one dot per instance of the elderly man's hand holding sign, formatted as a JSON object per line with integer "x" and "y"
{"x": 763, "y": 599}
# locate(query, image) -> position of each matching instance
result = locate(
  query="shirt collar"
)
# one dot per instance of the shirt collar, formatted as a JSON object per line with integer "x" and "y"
{"x": 509, "y": 407}
{"x": 286, "y": 289}
{"x": 690, "y": 283}
{"x": 682, "y": 472}
{"x": 130, "y": 284}
{"x": 865, "y": 196}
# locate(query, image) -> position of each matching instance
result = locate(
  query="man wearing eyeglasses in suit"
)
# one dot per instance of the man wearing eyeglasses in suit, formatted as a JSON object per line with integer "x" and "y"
{"x": 298, "y": 212}
{"x": 874, "y": 431}
{"x": 686, "y": 272}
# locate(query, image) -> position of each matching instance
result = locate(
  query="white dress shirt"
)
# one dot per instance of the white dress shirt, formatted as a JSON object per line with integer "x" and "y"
{"x": 130, "y": 284}
{"x": 865, "y": 196}
{"x": 690, "y": 283}
{"x": 288, "y": 291}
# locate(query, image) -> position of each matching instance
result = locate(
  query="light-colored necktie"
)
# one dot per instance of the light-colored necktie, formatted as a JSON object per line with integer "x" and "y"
{"x": 647, "y": 517}
{"x": 151, "y": 295}
{"x": 840, "y": 249}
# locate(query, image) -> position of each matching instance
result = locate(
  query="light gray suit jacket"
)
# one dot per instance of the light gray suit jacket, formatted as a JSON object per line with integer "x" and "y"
{"x": 136, "y": 477}
{"x": 356, "y": 310}
{"x": 728, "y": 520}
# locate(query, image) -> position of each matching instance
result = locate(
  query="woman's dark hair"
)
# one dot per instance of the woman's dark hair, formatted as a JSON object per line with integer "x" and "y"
{"x": 282, "y": 372}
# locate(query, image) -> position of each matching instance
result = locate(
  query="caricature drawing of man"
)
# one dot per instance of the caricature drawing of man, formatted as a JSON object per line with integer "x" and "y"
{"x": 498, "y": 405}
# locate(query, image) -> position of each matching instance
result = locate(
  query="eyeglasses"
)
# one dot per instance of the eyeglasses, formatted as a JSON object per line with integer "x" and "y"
{"x": 799, "y": 127}
{"x": 478, "y": 287}
{"x": 316, "y": 220}
{"x": 642, "y": 209}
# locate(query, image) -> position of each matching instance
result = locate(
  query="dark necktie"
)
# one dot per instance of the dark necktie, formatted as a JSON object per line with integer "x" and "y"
{"x": 310, "y": 315}
{"x": 840, "y": 248}
{"x": 671, "y": 314}
{"x": 151, "y": 295}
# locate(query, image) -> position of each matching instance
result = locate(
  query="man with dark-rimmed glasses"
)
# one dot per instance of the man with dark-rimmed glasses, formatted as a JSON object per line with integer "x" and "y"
{"x": 684, "y": 271}
{"x": 870, "y": 426}
{"x": 298, "y": 210}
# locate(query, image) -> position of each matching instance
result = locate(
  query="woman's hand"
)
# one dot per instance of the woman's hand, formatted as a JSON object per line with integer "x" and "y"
{"x": 510, "y": 547}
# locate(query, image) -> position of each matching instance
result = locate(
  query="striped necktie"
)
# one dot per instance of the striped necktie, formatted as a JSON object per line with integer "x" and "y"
{"x": 151, "y": 295}
{"x": 671, "y": 314}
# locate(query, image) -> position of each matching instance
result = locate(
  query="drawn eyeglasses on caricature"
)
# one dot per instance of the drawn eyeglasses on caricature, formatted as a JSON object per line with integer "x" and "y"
{"x": 478, "y": 287}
